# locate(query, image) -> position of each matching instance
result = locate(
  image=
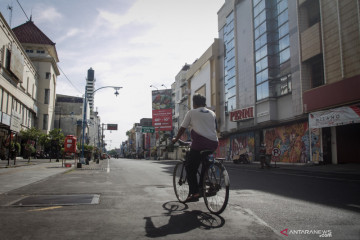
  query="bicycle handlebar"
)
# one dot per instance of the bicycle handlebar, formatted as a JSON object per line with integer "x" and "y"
{"x": 183, "y": 143}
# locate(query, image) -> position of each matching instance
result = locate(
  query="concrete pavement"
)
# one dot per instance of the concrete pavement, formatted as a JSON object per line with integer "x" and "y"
{"x": 24, "y": 173}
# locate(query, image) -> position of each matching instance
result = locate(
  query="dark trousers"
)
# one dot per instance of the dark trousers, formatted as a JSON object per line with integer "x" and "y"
{"x": 193, "y": 163}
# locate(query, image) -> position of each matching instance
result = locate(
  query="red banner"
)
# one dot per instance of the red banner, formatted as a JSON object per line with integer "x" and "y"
{"x": 162, "y": 119}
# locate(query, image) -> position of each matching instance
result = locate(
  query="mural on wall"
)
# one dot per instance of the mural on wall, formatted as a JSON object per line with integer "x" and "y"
{"x": 293, "y": 141}
{"x": 315, "y": 145}
{"x": 223, "y": 148}
{"x": 241, "y": 143}
{"x": 235, "y": 145}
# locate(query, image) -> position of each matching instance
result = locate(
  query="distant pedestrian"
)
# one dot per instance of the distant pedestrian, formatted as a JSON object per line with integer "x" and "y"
{"x": 262, "y": 154}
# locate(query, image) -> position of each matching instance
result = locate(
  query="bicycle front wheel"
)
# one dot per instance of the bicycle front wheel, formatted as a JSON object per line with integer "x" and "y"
{"x": 181, "y": 186}
{"x": 216, "y": 185}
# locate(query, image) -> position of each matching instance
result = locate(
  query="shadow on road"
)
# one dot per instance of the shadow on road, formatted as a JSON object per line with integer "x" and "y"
{"x": 325, "y": 188}
{"x": 181, "y": 220}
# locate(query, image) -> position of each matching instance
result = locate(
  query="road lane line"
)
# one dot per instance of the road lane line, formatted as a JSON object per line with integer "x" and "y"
{"x": 44, "y": 209}
{"x": 108, "y": 166}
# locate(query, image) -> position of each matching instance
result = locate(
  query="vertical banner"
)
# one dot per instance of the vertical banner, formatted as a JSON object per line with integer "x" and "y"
{"x": 161, "y": 110}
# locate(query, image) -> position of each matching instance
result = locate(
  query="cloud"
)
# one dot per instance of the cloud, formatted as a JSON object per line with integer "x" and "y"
{"x": 71, "y": 33}
{"x": 43, "y": 13}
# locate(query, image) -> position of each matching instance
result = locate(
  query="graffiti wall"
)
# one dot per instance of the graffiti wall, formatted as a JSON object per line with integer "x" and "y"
{"x": 223, "y": 148}
{"x": 235, "y": 145}
{"x": 293, "y": 142}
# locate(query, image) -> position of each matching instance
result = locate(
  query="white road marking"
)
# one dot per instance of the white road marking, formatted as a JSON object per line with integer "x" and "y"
{"x": 108, "y": 166}
{"x": 354, "y": 205}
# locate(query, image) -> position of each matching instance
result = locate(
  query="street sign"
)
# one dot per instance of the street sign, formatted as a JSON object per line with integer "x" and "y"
{"x": 148, "y": 129}
{"x": 276, "y": 152}
{"x": 112, "y": 127}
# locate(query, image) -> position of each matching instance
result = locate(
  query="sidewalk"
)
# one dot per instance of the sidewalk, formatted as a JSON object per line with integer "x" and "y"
{"x": 349, "y": 168}
{"x": 20, "y": 162}
{"x": 24, "y": 173}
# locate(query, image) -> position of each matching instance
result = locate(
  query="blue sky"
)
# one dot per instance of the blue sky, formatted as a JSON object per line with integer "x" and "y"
{"x": 129, "y": 43}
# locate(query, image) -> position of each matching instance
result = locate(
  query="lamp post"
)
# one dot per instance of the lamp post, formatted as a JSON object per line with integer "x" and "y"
{"x": 154, "y": 87}
{"x": 84, "y": 118}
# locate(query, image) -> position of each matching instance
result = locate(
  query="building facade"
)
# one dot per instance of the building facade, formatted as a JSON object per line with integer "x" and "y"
{"x": 43, "y": 54}
{"x": 280, "y": 68}
{"x": 90, "y": 87}
{"x": 180, "y": 97}
{"x": 18, "y": 88}
{"x": 330, "y": 60}
{"x": 69, "y": 115}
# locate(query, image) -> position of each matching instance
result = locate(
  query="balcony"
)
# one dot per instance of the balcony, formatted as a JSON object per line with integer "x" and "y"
{"x": 311, "y": 42}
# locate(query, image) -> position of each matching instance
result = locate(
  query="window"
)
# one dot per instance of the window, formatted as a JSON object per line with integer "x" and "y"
{"x": 29, "y": 51}
{"x": 272, "y": 48}
{"x": 47, "y": 96}
{"x": 262, "y": 91}
{"x": 229, "y": 63}
{"x": 317, "y": 71}
{"x": 45, "y": 121}
{"x": 47, "y": 75}
{"x": 40, "y": 51}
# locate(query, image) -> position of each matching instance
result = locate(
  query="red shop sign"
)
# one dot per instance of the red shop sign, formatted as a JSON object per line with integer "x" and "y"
{"x": 162, "y": 119}
{"x": 242, "y": 114}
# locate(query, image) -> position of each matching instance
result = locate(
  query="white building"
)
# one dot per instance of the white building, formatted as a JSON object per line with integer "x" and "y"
{"x": 42, "y": 52}
{"x": 18, "y": 86}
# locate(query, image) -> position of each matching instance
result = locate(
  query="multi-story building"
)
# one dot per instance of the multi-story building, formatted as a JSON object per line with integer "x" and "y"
{"x": 69, "y": 114}
{"x": 42, "y": 52}
{"x": 287, "y": 63}
{"x": 330, "y": 77}
{"x": 94, "y": 129}
{"x": 18, "y": 87}
{"x": 90, "y": 87}
{"x": 203, "y": 78}
{"x": 180, "y": 96}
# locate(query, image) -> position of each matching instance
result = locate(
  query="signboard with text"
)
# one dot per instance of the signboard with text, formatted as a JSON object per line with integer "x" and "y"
{"x": 148, "y": 129}
{"x": 15, "y": 124}
{"x": 162, "y": 119}
{"x": 335, "y": 117}
{"x": 161, "y": 110}
{"x": 242, "y": 114}
{"x": 112, "y": 127}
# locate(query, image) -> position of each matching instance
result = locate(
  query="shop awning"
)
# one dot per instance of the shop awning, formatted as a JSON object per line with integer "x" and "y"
{"x": 335, "y": 117}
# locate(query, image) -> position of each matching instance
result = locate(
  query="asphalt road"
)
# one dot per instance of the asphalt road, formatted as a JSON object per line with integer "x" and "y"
{"x": 136, "y": 201}
{"x": 300, "y": 201}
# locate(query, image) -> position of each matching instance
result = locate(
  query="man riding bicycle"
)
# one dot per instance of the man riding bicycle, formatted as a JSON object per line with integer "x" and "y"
{"x": 203, "y": 134}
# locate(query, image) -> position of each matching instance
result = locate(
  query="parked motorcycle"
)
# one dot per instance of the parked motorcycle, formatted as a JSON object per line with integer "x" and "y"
{"x": 242, "y": 158}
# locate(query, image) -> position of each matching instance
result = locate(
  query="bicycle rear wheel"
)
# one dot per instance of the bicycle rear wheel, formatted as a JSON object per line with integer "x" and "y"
{"x": 181, "y": 186}
{"x": 216, "y": 185}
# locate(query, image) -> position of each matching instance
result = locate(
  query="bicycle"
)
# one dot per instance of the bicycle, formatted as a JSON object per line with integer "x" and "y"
{"x": 215, "y": 181}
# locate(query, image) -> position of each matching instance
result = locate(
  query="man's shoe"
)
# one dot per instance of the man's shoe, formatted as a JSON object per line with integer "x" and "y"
{"x": 193, "y": 198}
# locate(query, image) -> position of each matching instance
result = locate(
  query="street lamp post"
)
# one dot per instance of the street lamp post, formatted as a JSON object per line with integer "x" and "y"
{"x": 84, "y": 118}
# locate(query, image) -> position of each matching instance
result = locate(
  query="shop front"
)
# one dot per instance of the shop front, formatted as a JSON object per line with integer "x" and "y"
{"x": 338, "y": 130}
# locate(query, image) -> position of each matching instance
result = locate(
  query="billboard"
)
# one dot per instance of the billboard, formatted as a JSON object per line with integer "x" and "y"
{"x": 162, "y": 110}
{"x": 112, "y": 127}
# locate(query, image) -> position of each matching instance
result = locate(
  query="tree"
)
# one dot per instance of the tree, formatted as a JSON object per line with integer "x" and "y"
{"x": 56, "y": 138}
{"x": 29, "y": 139}
{"x": 30, "y": 134}
{"x": 52, "y": 142}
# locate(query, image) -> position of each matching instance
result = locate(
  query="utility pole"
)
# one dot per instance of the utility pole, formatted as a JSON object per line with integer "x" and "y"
{"x": 10, "y": 9}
